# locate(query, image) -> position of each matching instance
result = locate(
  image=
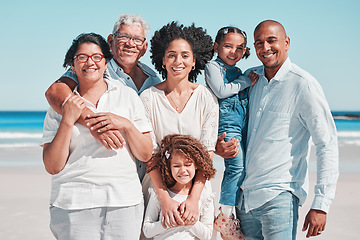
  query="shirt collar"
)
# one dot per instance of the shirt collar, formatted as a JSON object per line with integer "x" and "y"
{"x": 148, "y": 71}
{"x": 110, "y": 86}
{"x": 283, "y": 70}
{"x": 223, "y": 64}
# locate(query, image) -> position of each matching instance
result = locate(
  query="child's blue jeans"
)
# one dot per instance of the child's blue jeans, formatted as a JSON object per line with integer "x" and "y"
{"x": 233, "y": 175}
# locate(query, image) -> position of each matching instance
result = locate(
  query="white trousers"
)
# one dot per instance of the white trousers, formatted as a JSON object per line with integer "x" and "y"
{"x": 103, "y": 223}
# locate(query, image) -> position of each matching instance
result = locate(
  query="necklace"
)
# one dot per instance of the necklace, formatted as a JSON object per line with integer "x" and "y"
{"x": 176, "y": 107}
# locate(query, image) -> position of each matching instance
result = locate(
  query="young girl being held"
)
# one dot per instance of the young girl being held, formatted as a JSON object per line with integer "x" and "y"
{"x": 231, "y": 87}
{"x": 179, "y": 158}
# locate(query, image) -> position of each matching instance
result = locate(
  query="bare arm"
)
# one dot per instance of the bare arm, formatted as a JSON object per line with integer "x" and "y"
{"x": 56, "y": 95}
{"x": 139, "y": 143}
{"x": 169, "y": 207}
{"x": 189, "y": 209}
{"x": 56, "y": 153}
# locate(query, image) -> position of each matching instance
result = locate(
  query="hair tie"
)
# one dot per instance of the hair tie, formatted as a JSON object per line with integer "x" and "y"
{"x": 167, "y": 155}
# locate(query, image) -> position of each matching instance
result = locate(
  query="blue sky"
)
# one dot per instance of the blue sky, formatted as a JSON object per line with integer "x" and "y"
{"x": 35, "y": 36}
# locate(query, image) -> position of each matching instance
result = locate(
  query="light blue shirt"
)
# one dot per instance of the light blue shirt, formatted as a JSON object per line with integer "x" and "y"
{"x": 283, "y": 114}
{"x": 117, "y": 73}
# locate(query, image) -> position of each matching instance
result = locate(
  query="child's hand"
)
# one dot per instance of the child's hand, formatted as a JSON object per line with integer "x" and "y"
{"x": 253, "y": 77}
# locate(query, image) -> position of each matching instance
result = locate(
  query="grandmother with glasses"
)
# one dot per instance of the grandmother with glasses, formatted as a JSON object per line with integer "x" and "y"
{"x": 95, "y": 192}
{"x": 128, "y": 44}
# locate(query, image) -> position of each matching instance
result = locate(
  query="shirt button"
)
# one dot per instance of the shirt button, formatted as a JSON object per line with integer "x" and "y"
{"x": 266, "y": 87}
{"x": 254, "y": 129}
{"x": 260, "y": 109}
{"x": 248, "y": 149}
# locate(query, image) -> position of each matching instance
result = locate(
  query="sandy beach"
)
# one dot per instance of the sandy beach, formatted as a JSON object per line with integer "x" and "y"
{"x": 25, "y": 191}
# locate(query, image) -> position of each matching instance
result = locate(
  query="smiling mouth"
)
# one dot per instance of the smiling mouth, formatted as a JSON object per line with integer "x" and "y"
{"x": 90, "y": 70}
{"x": 269, "y": 55}
{"x": 177, "y": 69}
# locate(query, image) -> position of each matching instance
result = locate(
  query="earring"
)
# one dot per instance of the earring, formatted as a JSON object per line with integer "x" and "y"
{"x": 163, "y": 66}
{"x": 193, "y": 67}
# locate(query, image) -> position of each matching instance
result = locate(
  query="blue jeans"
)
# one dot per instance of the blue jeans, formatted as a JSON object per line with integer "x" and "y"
{"x": 233, "y": 175}
{"x": 275, "y": 220}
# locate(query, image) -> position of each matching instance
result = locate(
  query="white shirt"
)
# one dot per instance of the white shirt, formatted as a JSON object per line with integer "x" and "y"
{"x": 199, "y": 118}
{"x": 283, "y": 114}
{"x": 202, "y": 229}
{"x": 94, "y": 176}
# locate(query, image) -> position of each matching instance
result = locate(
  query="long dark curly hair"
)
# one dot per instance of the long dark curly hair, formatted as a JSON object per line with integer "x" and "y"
{"x": 192, "y": 149}
{"x": 200, "y": 42}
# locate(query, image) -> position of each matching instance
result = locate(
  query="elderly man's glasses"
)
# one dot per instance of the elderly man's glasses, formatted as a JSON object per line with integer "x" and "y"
{"x": 97, "y": 57}
{"x": 123, "y": 38}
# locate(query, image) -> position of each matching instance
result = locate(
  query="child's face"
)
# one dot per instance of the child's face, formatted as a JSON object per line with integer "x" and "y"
{"x": 231, "y": 49}
{"x": 182, "y": 169}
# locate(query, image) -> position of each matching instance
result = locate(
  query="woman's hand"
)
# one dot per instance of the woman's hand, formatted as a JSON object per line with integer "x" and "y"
{"x": 189, "y": 211}
{"x": 71, "y": 109}
{"x": 170, "y": 213}
{"x": 108, "y": 126}
{"x": 102, "y": 122}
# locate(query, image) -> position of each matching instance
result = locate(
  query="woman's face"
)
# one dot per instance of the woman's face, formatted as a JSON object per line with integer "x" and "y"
{"x": 178, "y": 60}
{"x": 92, "y": 69}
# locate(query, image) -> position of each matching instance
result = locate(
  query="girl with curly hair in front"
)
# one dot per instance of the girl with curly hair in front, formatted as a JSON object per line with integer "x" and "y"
{"x": 179, "y": 158}
{"x": 180, "y": 106}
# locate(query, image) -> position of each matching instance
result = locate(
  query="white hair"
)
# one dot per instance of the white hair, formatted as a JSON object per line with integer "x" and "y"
{"x": 132, "y": 19}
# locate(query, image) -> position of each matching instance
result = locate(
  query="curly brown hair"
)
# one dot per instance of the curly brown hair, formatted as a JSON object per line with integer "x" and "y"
{"x": 193, "y": 150}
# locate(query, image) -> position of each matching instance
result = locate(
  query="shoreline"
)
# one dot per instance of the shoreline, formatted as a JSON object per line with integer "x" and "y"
{"x": 25, "y": 192}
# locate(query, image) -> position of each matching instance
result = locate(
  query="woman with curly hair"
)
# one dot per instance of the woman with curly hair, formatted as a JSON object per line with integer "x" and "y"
{"x": 179, "y": 158}
{"x": 180, "y": 106}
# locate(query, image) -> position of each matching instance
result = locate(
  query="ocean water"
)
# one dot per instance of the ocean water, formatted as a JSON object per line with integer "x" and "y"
{"x": 21, "y": 129}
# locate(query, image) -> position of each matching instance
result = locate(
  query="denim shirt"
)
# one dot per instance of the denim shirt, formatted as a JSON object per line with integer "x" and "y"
{"x": 231, "y": 87}
{"x": 283, "y": 114}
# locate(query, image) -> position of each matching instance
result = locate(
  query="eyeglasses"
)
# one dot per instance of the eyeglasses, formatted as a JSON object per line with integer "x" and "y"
{"x": 97, "y": 57}
{"x": 123, "y": 38}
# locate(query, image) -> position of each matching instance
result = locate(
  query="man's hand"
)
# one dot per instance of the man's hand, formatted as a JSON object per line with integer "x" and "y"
{"x": 315, "y": 222}
{"x": 227, "y": 149}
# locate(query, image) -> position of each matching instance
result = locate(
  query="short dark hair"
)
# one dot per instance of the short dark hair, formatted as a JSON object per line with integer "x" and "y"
{"x": 87, "y": 38}
{"x": 225, "y": 30}
{"x": 200, "y": 42}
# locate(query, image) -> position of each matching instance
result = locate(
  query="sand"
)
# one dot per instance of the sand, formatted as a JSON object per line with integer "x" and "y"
{"x": 25, "y": 191}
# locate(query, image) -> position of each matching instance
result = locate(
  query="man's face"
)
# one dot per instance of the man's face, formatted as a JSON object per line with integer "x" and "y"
{"x": 271, "y": 46}
{"x": 127, "y": 53}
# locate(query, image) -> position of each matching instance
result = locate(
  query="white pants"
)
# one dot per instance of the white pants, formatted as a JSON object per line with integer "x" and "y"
{"x": 97, "y": 223}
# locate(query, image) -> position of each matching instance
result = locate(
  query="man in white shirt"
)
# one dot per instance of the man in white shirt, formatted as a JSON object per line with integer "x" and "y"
{"x": 286, "y": 107}
{"x": 128, "y": 44}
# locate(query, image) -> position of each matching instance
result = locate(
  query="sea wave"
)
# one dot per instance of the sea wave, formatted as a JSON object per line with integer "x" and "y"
{"x": 347, "y": 134}
{"x": 19, "y": 145}
{"x": 19, "y": 135}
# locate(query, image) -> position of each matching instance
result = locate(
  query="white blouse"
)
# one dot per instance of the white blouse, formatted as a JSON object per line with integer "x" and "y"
{"x": 199, "y": 118}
